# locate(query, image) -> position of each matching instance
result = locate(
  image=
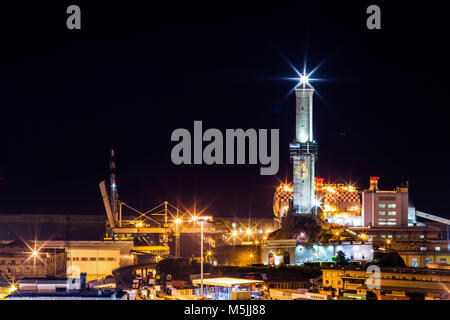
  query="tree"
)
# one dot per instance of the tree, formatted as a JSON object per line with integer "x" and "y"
{"x": 341, "y": 260}
{"x": 388, "y": 259}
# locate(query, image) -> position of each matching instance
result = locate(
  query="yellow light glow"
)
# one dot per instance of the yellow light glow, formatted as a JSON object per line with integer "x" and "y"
{"x": 177, "y": 221}
{"x": 251, "y": 255}
{"x": 256, "y": 242}
{"x": 34, "y": 253}
{"x": 336, "y": 233}
{"x": 139, "y": 224}
{"x": 12, "y": 288}
{"x": 234, "y": 233}
{"x": 329, "y": 208}
{"x": 388, "y": 241}
{"x": 209, "y": 253}
{"x": 249, "y": 231}
{"x": 265, "y": 238}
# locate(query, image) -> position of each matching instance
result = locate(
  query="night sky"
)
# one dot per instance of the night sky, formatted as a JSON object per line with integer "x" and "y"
{"x": 135, "y": 73}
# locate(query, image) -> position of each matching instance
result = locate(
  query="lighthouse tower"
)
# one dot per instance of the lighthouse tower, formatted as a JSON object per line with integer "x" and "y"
{"x": 304, "y": 149}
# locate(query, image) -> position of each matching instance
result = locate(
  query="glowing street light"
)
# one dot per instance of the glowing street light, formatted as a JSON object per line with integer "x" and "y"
{"x": 139, "y": 224}
{"x": 12, "y": 289}
{"x": 34, "y": 253}
{"x": 177, "y": 221}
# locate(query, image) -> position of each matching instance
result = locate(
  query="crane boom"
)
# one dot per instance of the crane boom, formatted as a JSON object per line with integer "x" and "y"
{"x": 109, "y": 213}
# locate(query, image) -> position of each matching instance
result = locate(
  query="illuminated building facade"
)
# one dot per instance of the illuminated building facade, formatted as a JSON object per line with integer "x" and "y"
{"x": 17, "y": 262}
{"x": 278, "y": 252}
{"x": 385, "y": 208}
{"x": 340, "y": 203}
{"x": 95, "y": 258}
{"x": 394, "y": 283}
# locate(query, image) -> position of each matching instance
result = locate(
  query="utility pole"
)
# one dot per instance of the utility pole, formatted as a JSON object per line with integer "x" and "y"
{"x": 68, "y": 246}
{"x": 201, "y": 259}
{"x": 177, "y": 240}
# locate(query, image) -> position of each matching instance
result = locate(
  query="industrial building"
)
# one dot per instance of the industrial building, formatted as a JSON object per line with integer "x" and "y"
{"x": 18, "y": 260}
{"x": 95, "y": 258}
{"x": 390, "y": 284}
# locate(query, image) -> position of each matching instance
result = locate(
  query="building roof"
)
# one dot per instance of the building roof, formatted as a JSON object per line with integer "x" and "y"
{"x": 226, "y": 282}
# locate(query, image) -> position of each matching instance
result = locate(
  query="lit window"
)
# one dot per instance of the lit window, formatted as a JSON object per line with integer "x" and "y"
{"x": 422, "y": 236}
{"x": 391, "y": 205}
{"x": 381, "y": 213}
{"x": 390, "y": 236}
{"x": 437, "y": 249}
{"x": 392, "y": 213}
{"x": 423, "y": 248}
{"x": 382, "y": 205}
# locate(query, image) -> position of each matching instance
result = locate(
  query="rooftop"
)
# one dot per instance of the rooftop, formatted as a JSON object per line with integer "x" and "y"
{"x": 226, "y": 282}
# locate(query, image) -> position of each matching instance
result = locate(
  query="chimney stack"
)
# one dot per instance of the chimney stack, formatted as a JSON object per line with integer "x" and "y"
{"x": 374, "y": 184}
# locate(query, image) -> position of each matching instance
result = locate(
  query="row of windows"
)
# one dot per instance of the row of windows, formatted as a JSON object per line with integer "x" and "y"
{"x": 389, "y": 213}
{"x": 399, "y": 236}
{"x": 30, "y": 262}
{"x": 93, "y": 259}
{"x": 389, "y": 223}
{"x": 426, "y": 248}
{"x": 18, "y": 270}
{"x": 387, "y": 205}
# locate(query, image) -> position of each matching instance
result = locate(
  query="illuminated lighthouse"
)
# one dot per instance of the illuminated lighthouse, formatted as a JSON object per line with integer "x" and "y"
{"x": 304, "y": 149}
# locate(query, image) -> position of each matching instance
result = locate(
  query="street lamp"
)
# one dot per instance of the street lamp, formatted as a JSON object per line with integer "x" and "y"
{"x": 201, "y": 220}
{"x": 234, "y": 234}
{"x": 249, "y": 232}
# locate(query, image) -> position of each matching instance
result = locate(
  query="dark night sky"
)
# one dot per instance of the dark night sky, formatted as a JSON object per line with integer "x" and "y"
{"x": 133, "y": 74}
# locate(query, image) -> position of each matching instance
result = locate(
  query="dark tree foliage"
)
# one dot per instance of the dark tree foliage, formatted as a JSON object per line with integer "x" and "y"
{"x": 388, "y": 259}
{"x": 341, "y": 260}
